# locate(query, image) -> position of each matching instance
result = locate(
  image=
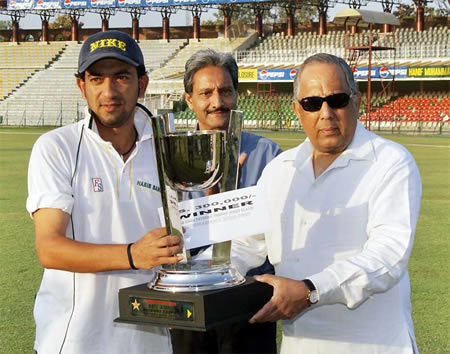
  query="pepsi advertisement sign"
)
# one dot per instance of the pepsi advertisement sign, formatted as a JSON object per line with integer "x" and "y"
{"x": 21, "y": 4}
{"x": 276, "y": 74}
{"x": 137, "y": 3}
{"x": 363, "y": 73}
{"x": 388, "y": 72}
{"x": 95, "y": 4}
{"x": 74, "y": 4}
{"x": 92, "y": 4}
{"x": 380, "y": 72}
{"x": 132, "y": 3}
{"x": 47, "y": 4}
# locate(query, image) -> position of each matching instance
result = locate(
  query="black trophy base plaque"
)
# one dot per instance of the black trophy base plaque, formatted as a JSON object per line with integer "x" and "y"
{"x": 197, "y": 311}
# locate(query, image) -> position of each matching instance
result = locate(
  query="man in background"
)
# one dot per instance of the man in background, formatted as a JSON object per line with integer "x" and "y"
{"x": 210, "y": 83}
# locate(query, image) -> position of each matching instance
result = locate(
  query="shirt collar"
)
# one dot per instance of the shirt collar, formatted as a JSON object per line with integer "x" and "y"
{"x": 142, "y": 123}
{"x": 360, "y": 148}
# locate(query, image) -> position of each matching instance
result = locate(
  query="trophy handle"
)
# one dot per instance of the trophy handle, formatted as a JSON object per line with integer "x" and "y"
{"x": 222, "y": 251}
{"x": 169, "y": 122}
{"x": 169, "y": 196}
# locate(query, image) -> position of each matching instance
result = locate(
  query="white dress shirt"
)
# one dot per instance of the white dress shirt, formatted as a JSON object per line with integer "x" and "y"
{"x": 351, "y": 232}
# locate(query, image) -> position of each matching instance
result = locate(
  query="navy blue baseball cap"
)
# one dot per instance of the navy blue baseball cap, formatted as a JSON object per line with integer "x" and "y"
{"x": 110, "y": 44}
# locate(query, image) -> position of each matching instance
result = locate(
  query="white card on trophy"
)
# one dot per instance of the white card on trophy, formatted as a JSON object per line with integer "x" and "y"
{"x": 222, "y": 217}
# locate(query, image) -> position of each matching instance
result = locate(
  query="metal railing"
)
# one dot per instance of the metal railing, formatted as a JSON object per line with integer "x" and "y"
{"x": 45, "y": 114}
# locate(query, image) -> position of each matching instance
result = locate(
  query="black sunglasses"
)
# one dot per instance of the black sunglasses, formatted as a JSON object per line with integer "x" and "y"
{"x": 314, "y": 103}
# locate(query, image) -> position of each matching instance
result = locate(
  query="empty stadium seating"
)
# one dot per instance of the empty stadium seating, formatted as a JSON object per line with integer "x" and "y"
{"x": 278, "y": 48}
{"x": 291, "y": 49}
{"x": 51, "y": 97}
{"x": 414, "y": 111}
{"x": 175, "y": 66}
{"x": 38, "y": 83}
{"x": 260, "y": 111}
{"x": 20, "y": 61}
{"x": 168, "y": 78}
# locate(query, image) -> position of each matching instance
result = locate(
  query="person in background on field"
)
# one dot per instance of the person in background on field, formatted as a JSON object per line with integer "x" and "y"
{"x": 343, "y": 207}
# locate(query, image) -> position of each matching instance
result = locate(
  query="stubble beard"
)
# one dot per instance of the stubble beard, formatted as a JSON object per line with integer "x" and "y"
{"x": 114, "y": 121}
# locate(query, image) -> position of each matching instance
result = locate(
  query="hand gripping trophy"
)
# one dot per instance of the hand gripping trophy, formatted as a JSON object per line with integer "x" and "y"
{"x": 196, "y": 295}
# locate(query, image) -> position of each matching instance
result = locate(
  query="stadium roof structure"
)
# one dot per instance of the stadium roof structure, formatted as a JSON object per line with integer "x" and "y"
{"x": 363, "y": 18}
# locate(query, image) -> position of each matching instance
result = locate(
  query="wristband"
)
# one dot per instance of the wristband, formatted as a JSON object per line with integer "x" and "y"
{"x": 130, "y": 257}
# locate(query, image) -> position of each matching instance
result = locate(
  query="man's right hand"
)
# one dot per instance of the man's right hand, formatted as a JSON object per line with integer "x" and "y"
{"x": 56, "y": 251}
{"x": 290, "y": 297}
{"x": 157, "y": 248}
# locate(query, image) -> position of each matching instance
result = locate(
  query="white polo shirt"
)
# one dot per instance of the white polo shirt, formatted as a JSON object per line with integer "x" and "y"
{"x": 110, "y": 202}
{"x": 351, "y": 232}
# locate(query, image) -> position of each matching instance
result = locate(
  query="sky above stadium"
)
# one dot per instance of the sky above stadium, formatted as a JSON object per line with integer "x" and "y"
{"x": 153, "y": 19}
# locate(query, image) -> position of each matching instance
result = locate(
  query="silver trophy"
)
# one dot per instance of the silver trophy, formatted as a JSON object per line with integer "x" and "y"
{"x": 194, "y": 295}
{"x": 190, "y": 162}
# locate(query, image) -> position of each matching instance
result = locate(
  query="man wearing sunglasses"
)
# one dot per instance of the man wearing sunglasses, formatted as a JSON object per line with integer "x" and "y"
{"x": 343, "y": 206}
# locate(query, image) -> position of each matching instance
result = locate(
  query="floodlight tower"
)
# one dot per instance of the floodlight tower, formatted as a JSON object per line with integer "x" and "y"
{"x": 363, "y": 47}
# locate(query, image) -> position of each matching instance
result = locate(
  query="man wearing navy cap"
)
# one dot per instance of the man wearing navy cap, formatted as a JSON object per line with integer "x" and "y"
{"x": 93, "y": 195}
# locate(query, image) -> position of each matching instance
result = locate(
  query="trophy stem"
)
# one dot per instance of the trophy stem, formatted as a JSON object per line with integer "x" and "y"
{"x": 230, "y": 180}
{"x": 222, "y": 253}
{"x": 169, "y": 196}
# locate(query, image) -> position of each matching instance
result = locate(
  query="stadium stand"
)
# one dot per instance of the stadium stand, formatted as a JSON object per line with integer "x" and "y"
{"x": 20, "y": 62}
{"x": 259, "y": 112}
{"x": 158, "y": 52}
{"x": 279, "y": 48}
{"x": 409, "y": 44}
{"x": 50, "y": 96}
{"x": 288, "y": 50}
{"x": 32, "y": 104}
{"x": 416, "y": 111}
{"x": 32, "y": 74}
{"x": 168, "y": 78}
{"x": 411, "y": 48}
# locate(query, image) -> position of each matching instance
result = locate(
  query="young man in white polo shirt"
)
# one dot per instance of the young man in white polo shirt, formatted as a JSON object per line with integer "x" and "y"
{"x": 94, "y": 194}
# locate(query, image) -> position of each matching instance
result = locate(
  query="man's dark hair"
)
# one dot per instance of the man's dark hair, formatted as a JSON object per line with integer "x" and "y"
{"x": 209, "y": 57}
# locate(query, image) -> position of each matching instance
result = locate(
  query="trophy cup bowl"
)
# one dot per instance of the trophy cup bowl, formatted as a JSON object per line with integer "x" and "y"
{"x": 194, "y": 160}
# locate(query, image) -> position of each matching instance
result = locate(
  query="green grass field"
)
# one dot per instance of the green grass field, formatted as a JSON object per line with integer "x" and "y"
{"x": 20, "y": 272}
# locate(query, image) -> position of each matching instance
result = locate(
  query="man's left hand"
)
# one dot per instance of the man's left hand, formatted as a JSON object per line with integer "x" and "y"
{"x": 288, "y": 300}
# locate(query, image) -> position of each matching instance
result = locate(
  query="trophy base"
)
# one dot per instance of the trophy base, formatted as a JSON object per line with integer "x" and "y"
{"x": 198, "y": 311}
{"x": 196, "y": 276}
